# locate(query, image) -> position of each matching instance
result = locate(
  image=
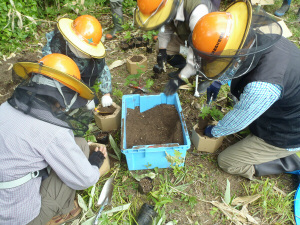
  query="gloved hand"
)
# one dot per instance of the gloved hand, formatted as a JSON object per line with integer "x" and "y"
{"x": 161, "y": 56}
{"x": 207, "y": 131}
{"x": 213, "y": 91}
{"x": 106, "y": 100}
{"x": 90, "y": 105}
{"x": 173, "y": 85}
{"x": 96, "y": 159}
{"x": 161, "y": 60}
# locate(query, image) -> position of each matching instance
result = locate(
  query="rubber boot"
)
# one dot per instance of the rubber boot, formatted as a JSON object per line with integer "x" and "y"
{"x": 284, "y": 8}
{"x": 288, "y": 164}
{"x": 117, "y": 17}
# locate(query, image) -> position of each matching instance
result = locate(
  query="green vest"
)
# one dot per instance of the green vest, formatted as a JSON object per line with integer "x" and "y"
{"x": 182, "y": 29}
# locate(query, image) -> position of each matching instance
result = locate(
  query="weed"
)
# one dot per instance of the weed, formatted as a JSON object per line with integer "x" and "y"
{"x": 215, "y": 113}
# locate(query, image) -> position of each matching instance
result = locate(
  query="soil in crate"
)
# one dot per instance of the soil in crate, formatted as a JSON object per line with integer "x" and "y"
{"x": 105, "y": 111}
{"x": 158, "y": 125}
{"x": 136, "y": 58}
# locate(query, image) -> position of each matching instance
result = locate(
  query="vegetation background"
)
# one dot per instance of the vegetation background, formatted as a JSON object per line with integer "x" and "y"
{"x": 199, "y": 192}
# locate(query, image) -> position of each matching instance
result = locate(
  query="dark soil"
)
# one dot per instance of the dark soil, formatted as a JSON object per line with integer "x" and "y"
{"x": 105, "y": 111}
{"x": 159, "y": 125}
{"x": 136, "y": 58}
{"x": 145, "y": 185}
{"x": 202, "y": 123}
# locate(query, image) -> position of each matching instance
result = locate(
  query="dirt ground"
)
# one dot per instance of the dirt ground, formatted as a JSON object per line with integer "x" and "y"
{"x": 213, "y": 180}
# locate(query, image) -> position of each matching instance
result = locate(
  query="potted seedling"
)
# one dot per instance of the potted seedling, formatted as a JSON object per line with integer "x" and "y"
{"x": 208, "y": 116}
{"x": 148, "y": 40}
{"x": 127, "y": 39}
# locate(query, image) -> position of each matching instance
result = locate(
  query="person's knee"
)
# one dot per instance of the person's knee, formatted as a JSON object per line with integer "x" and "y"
{"x": 224, "y": 163}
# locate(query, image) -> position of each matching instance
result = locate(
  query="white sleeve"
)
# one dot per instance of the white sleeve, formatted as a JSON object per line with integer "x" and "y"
{"x": 189, "y": 69}
{"x": 164, "y": 37}
{"x": 69, "y": 162}
{"x": 197, "y": 14}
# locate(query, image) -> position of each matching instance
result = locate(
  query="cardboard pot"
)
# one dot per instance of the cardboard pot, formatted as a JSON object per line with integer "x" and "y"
{"x": 134, "y": 62}
{"x": 205, "y": 144}
{"x": 109, "y": 122}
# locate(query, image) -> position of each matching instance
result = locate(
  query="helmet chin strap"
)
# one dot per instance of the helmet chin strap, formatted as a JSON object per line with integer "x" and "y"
{"x": 40, "y": 79}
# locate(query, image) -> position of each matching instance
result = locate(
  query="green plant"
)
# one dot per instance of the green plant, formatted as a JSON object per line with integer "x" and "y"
{"x": 215, "y": 113}
{"x": 89, "y": 135}
{"x": 149, "y": 36}
{"x": 274, "y": 205}
{"x": 128, "y": 36}
{"x": 135, "y": 78}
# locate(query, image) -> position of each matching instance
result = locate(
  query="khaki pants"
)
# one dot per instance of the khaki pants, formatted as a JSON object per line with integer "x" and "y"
{"x": 57, "y": 198}
{"x": 241, "y": 157}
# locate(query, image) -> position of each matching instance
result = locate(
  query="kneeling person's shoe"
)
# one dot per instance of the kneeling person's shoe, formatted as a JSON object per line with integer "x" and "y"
{"x": 69, "y": 217}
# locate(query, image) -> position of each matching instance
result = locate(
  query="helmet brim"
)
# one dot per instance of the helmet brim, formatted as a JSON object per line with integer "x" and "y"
{"x": 23, "y": 69}
{"x": 65, "y": 27}
{"x": 154, "y": 22}
{"x": 241, "y": 14}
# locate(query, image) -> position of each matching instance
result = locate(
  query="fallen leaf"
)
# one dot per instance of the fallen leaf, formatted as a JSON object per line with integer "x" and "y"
{"x": 245, "y": 200}
{"x": 116, "y": 63}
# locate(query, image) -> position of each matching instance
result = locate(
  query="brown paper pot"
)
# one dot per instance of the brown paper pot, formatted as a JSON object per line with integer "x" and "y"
{"x": 110, "y": 122}
{"x": 205, "y": 144}
{"x": 134, "y": 62}
{"x": 106, "y": 164}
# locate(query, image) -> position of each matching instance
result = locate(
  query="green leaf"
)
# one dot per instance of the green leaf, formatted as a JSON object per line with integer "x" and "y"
{"x": 115, "y": 147}
{"x": 81, "y": 203}
{"x": 227, "y": 193}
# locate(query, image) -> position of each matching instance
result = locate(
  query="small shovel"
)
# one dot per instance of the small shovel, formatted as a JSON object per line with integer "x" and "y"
{"x": 105, "y": 197}
{"x": 139, "y": 88}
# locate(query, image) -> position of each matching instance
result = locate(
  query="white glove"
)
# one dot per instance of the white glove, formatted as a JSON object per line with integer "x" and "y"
{"x": 106, "y": 101}
{"x": 90, "y": 105}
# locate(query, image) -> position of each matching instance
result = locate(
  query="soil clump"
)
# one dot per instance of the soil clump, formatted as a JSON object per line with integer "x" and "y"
{"x": 158, "y": 125}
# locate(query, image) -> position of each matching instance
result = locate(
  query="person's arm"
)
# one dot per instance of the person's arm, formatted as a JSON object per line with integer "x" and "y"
{"x": 105, "y": 86}
{"x": 69, "y": 162}
{"x": 164, "y": 36}
{"x": 197, "y": 14}
{"x": 256, "y": 98}
{"x": 47, "y": 49}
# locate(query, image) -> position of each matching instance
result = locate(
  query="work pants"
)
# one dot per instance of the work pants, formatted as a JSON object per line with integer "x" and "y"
{"x": 57, "y": 197}
{"x": 240, "y": 158}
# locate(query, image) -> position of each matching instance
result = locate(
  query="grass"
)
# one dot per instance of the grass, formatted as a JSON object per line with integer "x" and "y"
{"x": 182, "y": 195}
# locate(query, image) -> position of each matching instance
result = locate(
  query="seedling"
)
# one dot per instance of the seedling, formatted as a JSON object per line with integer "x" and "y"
{"x": 216, "y": 114}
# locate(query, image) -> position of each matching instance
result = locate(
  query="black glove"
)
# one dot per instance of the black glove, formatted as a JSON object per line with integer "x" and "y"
{"x": 161, "y": 56}
{"x": 96, "y": 159}
{"x": 207, "y": 131}
{"x": 161, "y": 59}
{"x": 213, "y": 91}
{"x": 173, "y": 85}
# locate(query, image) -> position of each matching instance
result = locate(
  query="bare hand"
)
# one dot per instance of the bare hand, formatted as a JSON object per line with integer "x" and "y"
{"x": 102, "y": 149}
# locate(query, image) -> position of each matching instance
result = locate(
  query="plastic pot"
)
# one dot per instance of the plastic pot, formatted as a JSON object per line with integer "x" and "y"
{"x": 149, "y": 49}
{"x": 102, "y": 138}
{"x": 146, "y": 215}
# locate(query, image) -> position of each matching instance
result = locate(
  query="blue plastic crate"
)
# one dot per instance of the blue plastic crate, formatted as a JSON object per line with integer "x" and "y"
{"x": 150, "y": 156}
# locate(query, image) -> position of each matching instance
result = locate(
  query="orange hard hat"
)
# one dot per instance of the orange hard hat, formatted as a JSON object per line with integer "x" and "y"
{"x": 61, "y": 63}
{"x": 88, "y": 28}
{"x": 212, "y": 32}
{"x": 218, "y": 36}
{"x": 84, "y": 33}
{"x": 59, "y": 67}
{"x": 147, "y": 7}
